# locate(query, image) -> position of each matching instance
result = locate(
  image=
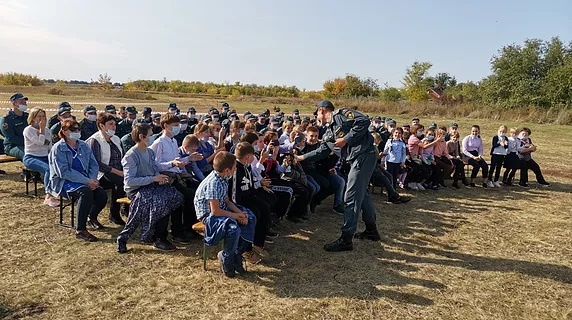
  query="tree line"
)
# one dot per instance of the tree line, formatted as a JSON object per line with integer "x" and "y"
{"x": 535, "y": 73}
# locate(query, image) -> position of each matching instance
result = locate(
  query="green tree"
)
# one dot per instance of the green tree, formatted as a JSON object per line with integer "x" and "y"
{"x": 417, "y": 81}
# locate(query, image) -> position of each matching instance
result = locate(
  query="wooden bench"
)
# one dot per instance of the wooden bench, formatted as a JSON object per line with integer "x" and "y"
{"x": 4, "y": 158}
{"x": 124, "y": 201}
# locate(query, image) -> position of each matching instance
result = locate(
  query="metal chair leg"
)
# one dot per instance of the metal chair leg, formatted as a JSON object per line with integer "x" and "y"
{"x": 204, "y": 256}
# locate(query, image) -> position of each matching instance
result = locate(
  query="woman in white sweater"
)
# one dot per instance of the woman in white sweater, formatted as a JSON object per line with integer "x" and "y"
{"x": 37, "y": 144}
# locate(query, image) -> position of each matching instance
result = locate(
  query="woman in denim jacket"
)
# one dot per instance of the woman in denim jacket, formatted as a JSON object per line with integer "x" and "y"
{"x": 73, "y": 174}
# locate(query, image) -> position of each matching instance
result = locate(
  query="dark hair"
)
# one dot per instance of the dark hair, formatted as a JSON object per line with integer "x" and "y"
{"x": 223, "y": 160}
{"x": 269, "y": 136}
{"x": 66, "y": 125}
{"x": 103, "y": 118}
{"x": 140, "y": 128}
{"x": 416, "y": 128}
{"x": 399, "y": 129}
{"x": 476, "y": 126}
{"x": 169, "y": 118}
{"x": 249, "y": 137}
{"x": 527, "y": 130}
{"x": 443, "y": 128}
{"x": 243, "y": 149}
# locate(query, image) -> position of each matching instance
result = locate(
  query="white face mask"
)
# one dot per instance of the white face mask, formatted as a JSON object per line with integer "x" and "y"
{"x": 110, "y": 132}
{"x": 151, "y": 140}
{"x": 184, "y": 127}
{"x": 75, "y": 135}
{"x": 502, "y": 134}
{"x": 256, "y": 148}
{"x": 241, "y": 132}
{"x": 23, "y": 107}
{"x": 419, "y": 133}
{"x": 91, "y": 117}
{"x": 191, "y": 116}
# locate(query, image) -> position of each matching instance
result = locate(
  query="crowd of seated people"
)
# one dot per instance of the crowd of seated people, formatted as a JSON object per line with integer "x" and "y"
{"x": 238, "y": 174}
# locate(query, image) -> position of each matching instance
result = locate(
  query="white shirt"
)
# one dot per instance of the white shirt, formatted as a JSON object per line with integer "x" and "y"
{"x": 36, "y": 144}
{"x": 166, "y": 150}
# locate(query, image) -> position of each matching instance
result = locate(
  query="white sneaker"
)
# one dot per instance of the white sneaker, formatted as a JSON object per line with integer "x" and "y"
{"x": 412, "y": 186}
{"x": 420, "y": 186}
{"x": 497, "y": 184}
{"x": 490, "y": 184}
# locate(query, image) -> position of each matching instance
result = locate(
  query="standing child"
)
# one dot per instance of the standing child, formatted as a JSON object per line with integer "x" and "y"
{"x": 222, "y": 218}
{"x": 511, "y": 161}
{"x": 498, "y": 154}
{"x": 395, "y": 155}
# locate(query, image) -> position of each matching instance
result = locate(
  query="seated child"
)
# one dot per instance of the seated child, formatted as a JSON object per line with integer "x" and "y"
{"x": 222, "y": 218}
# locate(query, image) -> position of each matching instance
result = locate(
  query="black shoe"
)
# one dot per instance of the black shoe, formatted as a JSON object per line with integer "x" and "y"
{"x": 524, "y": 185}
{"x": 226, "y": 268}
{"x": 2, "y": 172}
{"x": 313, "y": 207}
{"x": 484, "y": 185}
{"x": 85, "y": 236}
{"x": 442, "y": 184}
{"x": 472, "y": 185}
{"x": 339, "y": 209}
{"x": 193, "y": 235}
{"x": 404, "y": 199}
{"x": 164, "y": 245}
{"x": 508, "y": 184}
{"x": 239, "y": 264}
{"x": 544, "y": 184}
{"x": 182, "y": 239}
{"x": 95, "y": 224}
{"x": 293, "y": 219}
{"x": 121, "y": 246}
{"x": 372, "y": 235}
{"x": 271, "y": 233}
{"x": 269, "y": 240}
{"x": 456, "y": 185}
{"x": 305, "y": 216}
{"x": 466, "y": 182}
{"x": 117, "y": 220}
{"x": 435, "y": 187}
{"x": 342, "y": 244}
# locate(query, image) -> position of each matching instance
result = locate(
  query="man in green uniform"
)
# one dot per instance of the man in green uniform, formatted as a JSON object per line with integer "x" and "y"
{"x": 64, "y": 113}
{"x": 12, "y": 126}
{"x": 347, "y": 136}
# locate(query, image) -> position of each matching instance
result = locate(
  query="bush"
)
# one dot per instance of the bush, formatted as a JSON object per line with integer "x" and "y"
{"x": 19, "y": 79}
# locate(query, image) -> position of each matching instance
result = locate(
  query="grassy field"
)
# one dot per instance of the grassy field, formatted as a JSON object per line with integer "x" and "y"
{"x": 448, "y": 254}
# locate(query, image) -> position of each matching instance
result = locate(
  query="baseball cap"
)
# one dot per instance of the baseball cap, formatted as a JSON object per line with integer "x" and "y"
{"x": 225, "y": 105}
{"x": 454, "y": 125}
{"x": 323, "y": 104}
{"x": 172, "y": 105}
{"x": 157, "y": 116}
{"x": 146, "y": 110}
{"x": 192, "y": 110}
{"x": 89, "y": 109}
{"x": 17, "y": 96}
{"x": 63, "y": 109}
{"x": 433, "y": 125}
{"x": 110, "y": 108}
{"x": 131, "y": 110}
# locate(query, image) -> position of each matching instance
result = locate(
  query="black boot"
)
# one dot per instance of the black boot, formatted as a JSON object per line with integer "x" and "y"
{"x": 344, "y": 243}
{"x": 456, "y": 184}
{"x": 370, "y": 233}
{"x": 116, "y": 218}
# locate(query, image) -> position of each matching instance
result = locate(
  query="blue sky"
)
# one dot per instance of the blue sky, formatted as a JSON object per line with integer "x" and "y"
{"x": 302, "y": 43}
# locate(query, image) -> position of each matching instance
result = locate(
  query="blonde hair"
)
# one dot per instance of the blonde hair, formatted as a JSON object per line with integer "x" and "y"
{"x": 514, "y": 130}
{"x": 287, "y": 124}
{"x": 34, "y": 113}
{"x": 503, "y": 128}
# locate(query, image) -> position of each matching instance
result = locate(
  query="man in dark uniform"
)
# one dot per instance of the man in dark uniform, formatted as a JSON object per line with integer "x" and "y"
{"x": 110, "y": 109}
{"x": 215, "y": 115}
{"x": 183, "y": 132}
{"x": 261, "y": 124}
{"x": 88, "y": 125}
{"x": 146, "y": 113}
{"x": 156, "y": 125}
{"x": 224, "y": 111}
{"x": 192, "y": 119}
{"x": 124, "y": 127}
{"x": 173, "y": 108}
{"x": 13, "y": 124}
{"x": 64, "y": 113}
{"x": 347, "y": 136}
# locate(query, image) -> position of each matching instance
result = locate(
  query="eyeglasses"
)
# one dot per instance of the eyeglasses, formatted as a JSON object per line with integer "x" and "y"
{"x": 74, "y": 129}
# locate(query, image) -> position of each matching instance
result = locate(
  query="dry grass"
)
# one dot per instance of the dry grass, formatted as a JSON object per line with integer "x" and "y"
{"x": 470, "y": 254}
{"x": 467, "y": 254}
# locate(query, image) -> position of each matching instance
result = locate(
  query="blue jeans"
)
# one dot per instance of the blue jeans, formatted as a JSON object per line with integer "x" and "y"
{"x": 38, "y": 164}
{"x": 313, "y": 185}
{"x": 338, "y": 184}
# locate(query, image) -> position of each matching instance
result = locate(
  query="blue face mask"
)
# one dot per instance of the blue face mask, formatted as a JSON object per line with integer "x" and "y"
{"x": 75, "y": 135}
{"x": 430, "y": 137}
{"x": 151, "y": 140}
{"x": 176, "y": 130}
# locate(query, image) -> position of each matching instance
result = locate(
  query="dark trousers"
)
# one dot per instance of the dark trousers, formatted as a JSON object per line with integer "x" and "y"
{"x": 480, "y": 164}
{"x": 393, "y": 169}
{"x": 532, "y": 165}
{"x": 496, "y": 165}
{"x": 89, "y": 204}
{"x": 261, "y": 210}
{"x": 446, "y": 166}
{"x": 419, "y": 171}
{"x": 183, "y": 218}
{"x": 382, "y": 178}
{"x": 115, "y": 183}
{"x": 325, "y": 186}
{"x": 459, "y": 173}
{"x": 508, "y": 175}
